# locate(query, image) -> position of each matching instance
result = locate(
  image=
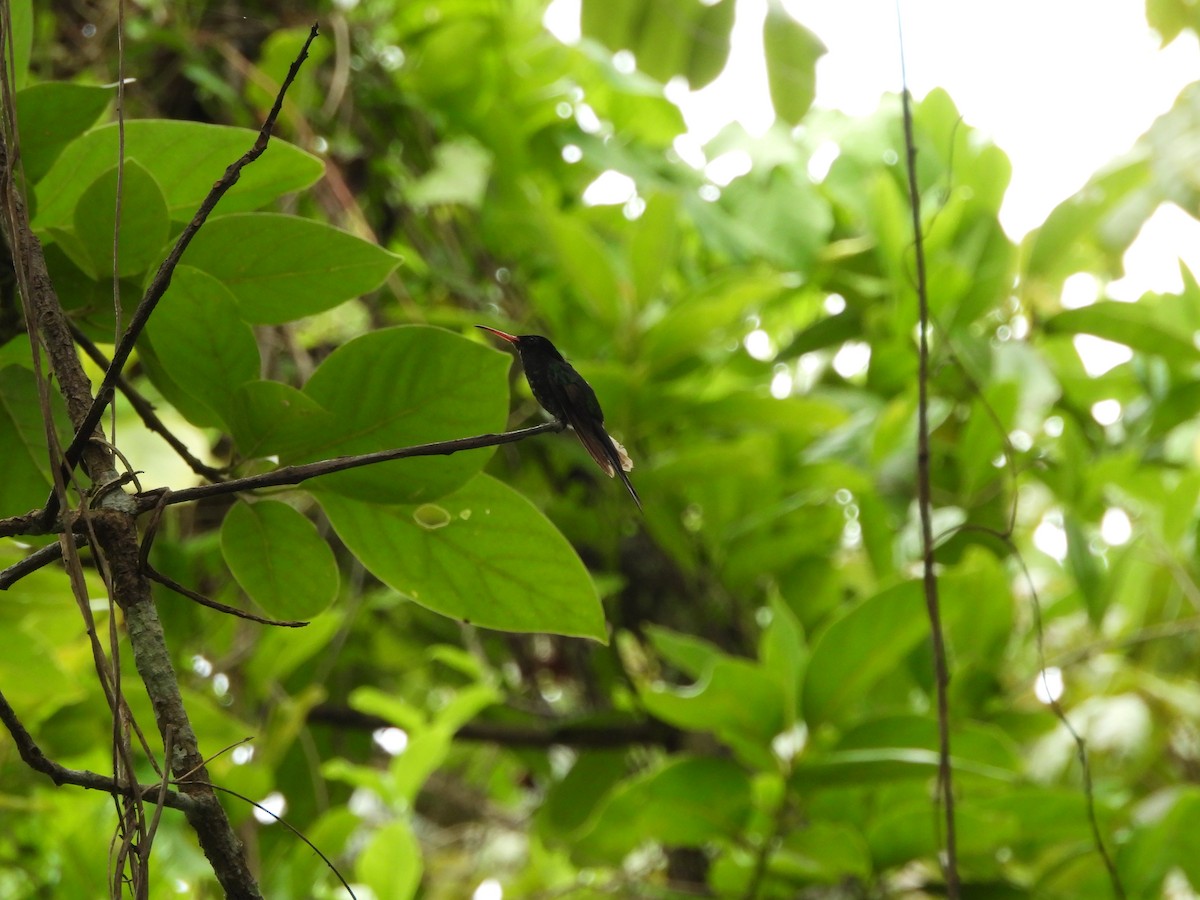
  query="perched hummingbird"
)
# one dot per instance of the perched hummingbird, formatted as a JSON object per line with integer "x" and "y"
{"x": 564, "y": 394}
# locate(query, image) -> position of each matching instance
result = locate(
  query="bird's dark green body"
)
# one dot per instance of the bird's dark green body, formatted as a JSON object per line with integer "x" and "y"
{"x": 564, "y": 394}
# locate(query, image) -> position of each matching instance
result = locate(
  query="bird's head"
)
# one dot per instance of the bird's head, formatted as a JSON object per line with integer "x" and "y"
{"x": 526, "y": 343}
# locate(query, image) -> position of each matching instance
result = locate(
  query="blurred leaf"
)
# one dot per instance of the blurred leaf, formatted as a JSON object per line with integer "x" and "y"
{"x": 1140, "y": 326}
{"x": 653, "y": 246}
{"x": 278, "y": 558}
{"x": 710, "y": 43}
{"x": 585, "y": 264}
{"x": 282, "y": 268}
{"x": 791, "y": 52}
{"x": 684, "y": 803}
{"x": 496, "y": 562}
{"x": 459, "y": 175}
{"x": 859, "y": 649}
{"x": 1170, "y": 842}
{"x": 1170, "y": 17}
{"x": 1087, "y": 569}
{"x": 881, "y": 766}
{"x": 734, "y": 699}
{"x": 391, "y": 862}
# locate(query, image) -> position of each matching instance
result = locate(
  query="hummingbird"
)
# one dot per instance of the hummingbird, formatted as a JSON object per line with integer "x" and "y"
{"x": 564, "y": 394}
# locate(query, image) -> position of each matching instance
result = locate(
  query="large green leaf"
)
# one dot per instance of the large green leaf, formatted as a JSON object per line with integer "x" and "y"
{"x": 483, "y": 554}
{"x": 269, "y": 418}
{"x": 283, "y": 268}
{"x": 53, "y": 114}
{"x": 186, "y": 158}
{"x": 278, "y": 558}
{"x": 685, "y": 803}
{"x": 403, "y": 386}
{"x": 858, "y": 650}
{"x": 201, "y": 342}
{"x": 791, "y": 52}
{"x": 144, "y": 223}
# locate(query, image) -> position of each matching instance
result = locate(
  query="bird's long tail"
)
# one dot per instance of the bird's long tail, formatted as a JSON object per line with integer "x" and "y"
{"x": 608, "y": 454}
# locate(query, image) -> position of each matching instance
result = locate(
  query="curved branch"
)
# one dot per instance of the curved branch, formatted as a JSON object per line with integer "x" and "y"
{"x": 33, "y": 757}
{"x": 292, "y": 475}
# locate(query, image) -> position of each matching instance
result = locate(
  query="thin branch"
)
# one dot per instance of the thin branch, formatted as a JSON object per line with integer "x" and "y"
{"x": 293, "y": 475}
{"x": 162, "y": 279}
{"x": 33, "y": 757}
{"x": 145, "y": 410}
{"x": 552, "y": 732}
{"x": 51, "y": 553}
{"x": 30, "y": 523}
{"x": 924, "y": 496}
{"x": 178, "y": 588}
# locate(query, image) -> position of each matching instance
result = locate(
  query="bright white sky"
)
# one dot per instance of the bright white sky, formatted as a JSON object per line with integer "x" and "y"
{"x": 1062, "y": 86}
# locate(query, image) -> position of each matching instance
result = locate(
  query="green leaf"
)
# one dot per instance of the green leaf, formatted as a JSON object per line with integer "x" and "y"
{"x": 1087, "y": 569}
{"x": 201, "y": 342}
{"x": 1170, "y": 842}
{"x": 570, "y": 803}
{"x": 269, "y": 418}
{"x": 791, "y": 52}
{"x": 691, "y": 655}
{"x": 144, "y": 223}
{"x": 653, "y": 246}
{"x": 185, "y": 158}
{"x": 21, "y": 19}
{"x": 885, "y": 765}
{"x": 53, "y": 114}
{"x": 460, "y": 174}
{"x": 1140, "y": 326}
{"x": 497, "y": 562}
{"x": 586, "y": 265}
{"x": 278, "y": 558}
{"x": 22, "y": 443}
{"x": 710, "y": 43}
{"x": 399, "y": 387}
{"x": 1170, "y": 17}
{"x": 282, "y": 268}
{"x": 735, "y": 699}
{"x": 862, "y": 647}
{"x": 685, "y": 803}
{"x": 391, "y": 863}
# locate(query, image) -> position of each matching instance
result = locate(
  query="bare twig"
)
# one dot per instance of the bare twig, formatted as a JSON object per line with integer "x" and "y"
{"x": 293, "y": 475}
{"x": 550, "y": 733}
{"x": 32, "y": 756}
{"x": 178, "y": 588}
{"x": 38, "y": 559}
{"x": 924, "y": 500}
